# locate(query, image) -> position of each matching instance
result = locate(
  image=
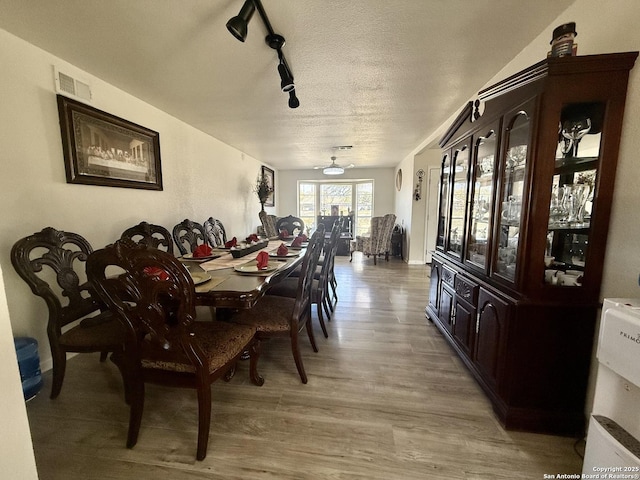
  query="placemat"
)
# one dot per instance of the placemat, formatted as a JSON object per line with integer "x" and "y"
{"x": 209, "y": 284}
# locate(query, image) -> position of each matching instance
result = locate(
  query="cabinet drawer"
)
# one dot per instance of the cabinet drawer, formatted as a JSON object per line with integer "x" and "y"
{"x": 448, "y": 276}
{"x": 466, "y": 289}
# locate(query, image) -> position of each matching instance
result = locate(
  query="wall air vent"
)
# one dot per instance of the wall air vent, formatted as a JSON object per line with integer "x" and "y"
{"x": 70, "y": 86}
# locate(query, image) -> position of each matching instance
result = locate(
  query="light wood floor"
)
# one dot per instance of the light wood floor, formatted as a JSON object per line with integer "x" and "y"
{"x": 386, "y": 399}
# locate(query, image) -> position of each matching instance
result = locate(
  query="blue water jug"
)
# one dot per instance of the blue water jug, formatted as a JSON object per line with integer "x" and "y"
{"x": 29, "y": 364}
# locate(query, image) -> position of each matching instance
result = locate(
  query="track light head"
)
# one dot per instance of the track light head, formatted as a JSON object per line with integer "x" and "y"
{"x": 286, "y": 81}
{"x": 293, "y": 100}
{"x": 238, "y": 25}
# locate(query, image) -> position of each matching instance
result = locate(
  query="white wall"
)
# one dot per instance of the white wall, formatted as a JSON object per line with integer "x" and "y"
{"x": 404, "y": 202}
{"x": 417, "y": 252}
{"x": 16, "y": 450}
{"x": 202, "y": 176}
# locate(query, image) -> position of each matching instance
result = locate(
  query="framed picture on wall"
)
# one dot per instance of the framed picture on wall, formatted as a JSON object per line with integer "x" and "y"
{"x": 102, "y": 149}
{"x": 269, "y": 175}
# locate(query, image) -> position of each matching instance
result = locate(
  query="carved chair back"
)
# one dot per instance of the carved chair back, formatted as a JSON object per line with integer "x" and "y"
{"x": 291, "y": 224}
{"x": 215, "y": 232}
{"x": 188, "y": 236}
{"x": 155, "y": 236}
{"x": 152, "y": 293}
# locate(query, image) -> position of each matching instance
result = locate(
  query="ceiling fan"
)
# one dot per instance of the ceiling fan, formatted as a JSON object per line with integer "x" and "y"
{"x": 334, "y": 168}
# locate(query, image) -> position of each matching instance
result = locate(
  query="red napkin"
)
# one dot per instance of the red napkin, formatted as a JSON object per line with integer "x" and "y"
{"x": 263, "y": 260}
{"x": 282, "y": 250}
{"x": 156, "y": 273}
{"x": 284, "y": 234}
{"x": 252, "y": 238}
{"x": 303, "y": 236}
{"x": 231, "y": 243}
{"x": 297, "y": 242}
{"x": 202, "y": 251}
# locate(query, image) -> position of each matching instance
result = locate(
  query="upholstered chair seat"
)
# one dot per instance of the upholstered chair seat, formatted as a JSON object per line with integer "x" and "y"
{"x": 220, "y": 343}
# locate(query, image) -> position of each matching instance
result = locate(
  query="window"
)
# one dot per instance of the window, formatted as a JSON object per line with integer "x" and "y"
{"x": 307, "y": 204}
{"x": 336, "y": 198}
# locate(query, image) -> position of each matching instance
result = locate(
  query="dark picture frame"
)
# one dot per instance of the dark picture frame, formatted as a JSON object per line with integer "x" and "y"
{"x": 102, "y": 149}
{"x": 270, "y": 176}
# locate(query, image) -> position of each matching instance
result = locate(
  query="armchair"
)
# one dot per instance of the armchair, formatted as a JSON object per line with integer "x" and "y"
{"x": 378, "y": 242}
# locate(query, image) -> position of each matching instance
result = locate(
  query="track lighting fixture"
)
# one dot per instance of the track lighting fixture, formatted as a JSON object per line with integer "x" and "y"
{"x": 238, "y": 25}
{"x": 293, "y": 100}
{"x": 238, "y": 28}
{"x": 286, "y": 81}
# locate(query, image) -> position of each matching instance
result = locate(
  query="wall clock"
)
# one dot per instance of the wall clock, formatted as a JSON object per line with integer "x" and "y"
{"x": 399, "y": 179}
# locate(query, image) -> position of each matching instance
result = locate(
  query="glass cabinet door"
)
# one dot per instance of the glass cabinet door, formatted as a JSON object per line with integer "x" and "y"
{"x": 459, "y": 185}
{"x": 443, "y": 213}
{"x": 573, "y": 193}
{"x": 482, "y": 184}
{"x": 512, "y": 184}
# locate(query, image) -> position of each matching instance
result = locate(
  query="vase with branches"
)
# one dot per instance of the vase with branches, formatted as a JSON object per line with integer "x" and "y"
{"x": 263, "y": 189}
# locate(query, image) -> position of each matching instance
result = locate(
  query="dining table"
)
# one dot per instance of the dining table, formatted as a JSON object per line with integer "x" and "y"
{"x": 226, "y": 282}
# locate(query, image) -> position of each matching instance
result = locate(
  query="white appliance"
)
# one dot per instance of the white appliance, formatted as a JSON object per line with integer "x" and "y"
{"x": 614, "y": 427}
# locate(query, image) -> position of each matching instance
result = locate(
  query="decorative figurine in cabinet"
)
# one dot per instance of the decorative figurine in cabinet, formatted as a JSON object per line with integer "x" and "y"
{"x": 525, "y": 200}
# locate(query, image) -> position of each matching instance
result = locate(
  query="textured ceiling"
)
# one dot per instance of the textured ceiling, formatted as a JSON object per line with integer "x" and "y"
{"x": 380, "y": 75}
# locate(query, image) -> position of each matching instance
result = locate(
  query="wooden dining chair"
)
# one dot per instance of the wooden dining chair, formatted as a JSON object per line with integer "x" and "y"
{"x": 52, "y": 263}
{"x": 155, "y": 236}
{"x": 268, "y": 224}
{"x": 345, "y": 226}
{"x": 215, "y": 233}
{"x": 188, "y": 236}
{"x": 293, "y": 225}
{"x": 282, "y": 316}
{"x": 154, "y": 298}
{"x": 320, "y": 295}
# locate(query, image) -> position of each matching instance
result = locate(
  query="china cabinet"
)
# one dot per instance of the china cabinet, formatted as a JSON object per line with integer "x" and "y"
{"x": 527, "y": 181}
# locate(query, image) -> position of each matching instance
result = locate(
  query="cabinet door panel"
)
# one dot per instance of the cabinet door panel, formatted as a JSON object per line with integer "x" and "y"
{"x": 443, "y": 214}
{"x": 446, "y": 307}
{"x": 459, "y": 187}
{"x": 465, "y": 311}
{"x": 512, "y": 197}
{"x": 465, "y": 316}
{"x": 573, "y": 194}
{"x": 482, "y": 198}
{"x": 434, "y": 286}
{"x": 491, "y": 329}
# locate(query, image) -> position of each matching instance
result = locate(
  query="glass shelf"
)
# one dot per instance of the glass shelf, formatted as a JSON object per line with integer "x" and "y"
{"x": 572, "y": 194}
